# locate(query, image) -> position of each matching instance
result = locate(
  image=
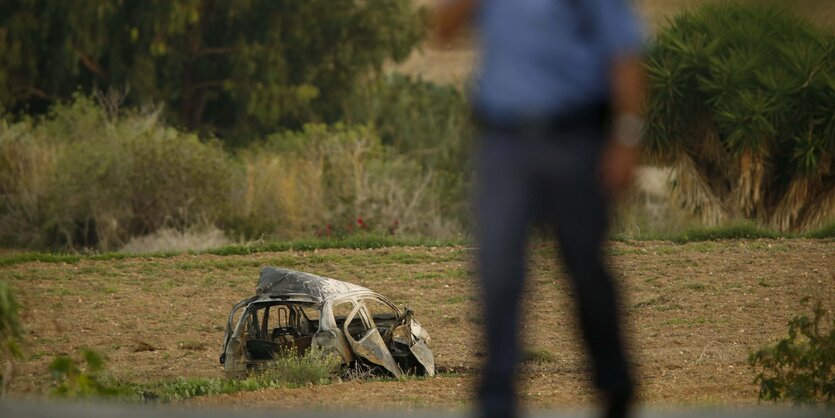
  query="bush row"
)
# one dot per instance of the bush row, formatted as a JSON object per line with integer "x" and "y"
{"x": 85, "y": 177}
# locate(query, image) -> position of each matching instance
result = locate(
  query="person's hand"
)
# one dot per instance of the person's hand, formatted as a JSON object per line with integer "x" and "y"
{"x": 617, "y": 168}
{"x": 449, "y": 17}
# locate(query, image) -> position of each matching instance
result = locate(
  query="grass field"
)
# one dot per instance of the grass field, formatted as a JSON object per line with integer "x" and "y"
{"x": 695, "y": 310}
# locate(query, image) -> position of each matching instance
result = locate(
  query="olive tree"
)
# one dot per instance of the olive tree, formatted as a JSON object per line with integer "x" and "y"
{"x": 235, "y": 68}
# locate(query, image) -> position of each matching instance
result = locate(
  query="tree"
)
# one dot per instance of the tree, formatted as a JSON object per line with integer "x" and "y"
{"x": 742, "y": 105}
{"x": 236, "y": 68}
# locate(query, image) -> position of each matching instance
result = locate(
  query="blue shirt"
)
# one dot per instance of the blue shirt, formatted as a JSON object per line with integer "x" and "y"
{"x": 542, "y": 58}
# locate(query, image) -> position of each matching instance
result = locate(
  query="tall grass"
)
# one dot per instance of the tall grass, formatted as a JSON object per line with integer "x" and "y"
{"x": 91, "y": 178}
{"x": 85, "y": 376}
{"x": 339, "y": 180}
{"x": 82, "y": 178}
{"x": 11, "y": 335}
{"x": 87, "y": 178}
{"x": 289, "y": 370}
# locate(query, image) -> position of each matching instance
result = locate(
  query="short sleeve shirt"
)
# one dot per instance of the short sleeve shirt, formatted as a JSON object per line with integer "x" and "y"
{"x": 544, "y": 57}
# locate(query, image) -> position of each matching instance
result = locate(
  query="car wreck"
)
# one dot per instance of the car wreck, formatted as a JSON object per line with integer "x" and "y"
{"x": 296, "y": 311}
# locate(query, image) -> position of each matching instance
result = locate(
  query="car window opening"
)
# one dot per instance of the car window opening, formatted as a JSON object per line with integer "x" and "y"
{"x": 278, "y": 328}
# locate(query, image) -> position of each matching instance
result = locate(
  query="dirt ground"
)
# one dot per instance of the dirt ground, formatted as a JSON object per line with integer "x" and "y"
{"x": 694, "y": 313}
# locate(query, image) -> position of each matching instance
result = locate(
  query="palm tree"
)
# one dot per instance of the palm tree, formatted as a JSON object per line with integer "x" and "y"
{"x": 742, "y": 106}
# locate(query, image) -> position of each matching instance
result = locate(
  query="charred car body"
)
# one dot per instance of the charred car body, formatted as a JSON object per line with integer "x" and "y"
{"x": 293, "y": 310}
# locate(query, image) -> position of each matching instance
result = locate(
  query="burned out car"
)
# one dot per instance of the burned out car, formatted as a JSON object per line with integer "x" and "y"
{"x": 296, "y": 311}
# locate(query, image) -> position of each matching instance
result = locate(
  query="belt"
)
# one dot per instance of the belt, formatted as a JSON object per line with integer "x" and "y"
{"x": 582, "y": 118}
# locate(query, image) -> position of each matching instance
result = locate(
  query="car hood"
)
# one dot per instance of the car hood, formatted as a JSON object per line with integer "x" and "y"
{"x": 278, "y": 282}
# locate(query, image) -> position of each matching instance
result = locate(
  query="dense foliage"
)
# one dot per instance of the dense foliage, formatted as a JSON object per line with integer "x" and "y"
{"x": 83, "y": 179}
{"x": 88, "y": 177}
{"x": 801, "y": 367}
{"x": 81, "y": 378}
{"x": 11, "y": 334}
{"x": 234, "y": 68}
{"x": 743, "y": 106}
{"x": 427, "y": 123}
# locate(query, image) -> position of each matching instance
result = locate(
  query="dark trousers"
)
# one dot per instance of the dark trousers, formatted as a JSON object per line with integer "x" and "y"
{"x": 523, "y": 177}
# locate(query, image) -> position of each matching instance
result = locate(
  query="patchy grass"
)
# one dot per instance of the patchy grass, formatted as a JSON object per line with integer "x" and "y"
{"x": 192, "y": 345}
{"x": 742, "y": 230}
{"x": 539, "y": 356}
{"x": 289, "y": 371}
{"x": 683, "y": 300}
{"x": 734, "y": 231}
{"x": 356, "y": 242}
{"x": 827, "y": 231}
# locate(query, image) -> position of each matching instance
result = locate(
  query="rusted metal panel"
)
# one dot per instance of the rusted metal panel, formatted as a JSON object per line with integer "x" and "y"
{"x": 424, "y": 356}
{"x": 371, "y": 347}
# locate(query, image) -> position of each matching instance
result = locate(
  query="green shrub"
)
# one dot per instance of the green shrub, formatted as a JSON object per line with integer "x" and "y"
{"x": 289, "y": 369}
{"x": 733, "y": 230}
{"x": 11, "y": 334}
{"x": 81, "y": 378}
{"x": 427, "y": 123}
{"x": 94, "y": 176}
{"x": 85, "y": 178}
{"x": 87, "y": 378}
{"x": 827, "y": 231}
{"x": 335, "y": 181}
{"x": 311, "y": 368}
{"x": 742, "y": 105}
{"x": 801, "y": 367}
{"x": 185, "y": 388}
{"x": 539, "y": 356}
{"x": 134, "y": 178}
{"x": 415, "y": 117}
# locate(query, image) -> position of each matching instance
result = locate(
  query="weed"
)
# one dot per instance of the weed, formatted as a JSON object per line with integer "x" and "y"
{"x": 311, "y": 368}
{"x": 539, "y": 356}
{"x": 192, "y": 345}
{"x": 81, "y": 378}
{"x": 11, "y": 334}
{"x": 827, "y": 231}
{"x": 695, "y": 286}
{"x": 454, "y": 300}
{"x": 741, "y": 230}
{"x": 658, "y": 300}
{"x": 800, "y": 367}
{"x": 357, "y": 371}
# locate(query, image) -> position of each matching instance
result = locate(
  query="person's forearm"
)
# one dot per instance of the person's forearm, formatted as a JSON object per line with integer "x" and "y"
{"x": 627, "y": 84}
{"x": 450, "y": 16}
{"x": 628, "y": 96}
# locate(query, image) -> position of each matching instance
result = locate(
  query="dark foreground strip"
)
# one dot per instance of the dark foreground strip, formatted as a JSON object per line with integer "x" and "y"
{"x": 90, "y": 410}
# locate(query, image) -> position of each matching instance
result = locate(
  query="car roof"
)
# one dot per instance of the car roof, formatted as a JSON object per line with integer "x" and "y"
{"x": 277, "y": 282}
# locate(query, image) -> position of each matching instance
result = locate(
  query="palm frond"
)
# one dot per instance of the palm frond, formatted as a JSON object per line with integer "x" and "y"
{"x": 692, "y": 191}
{"x": 821, "y": 212}
{"x": 791, "y": 205}
{"x": 743, "y": 106}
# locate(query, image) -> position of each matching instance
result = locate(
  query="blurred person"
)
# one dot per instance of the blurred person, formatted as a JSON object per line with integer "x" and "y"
{"x": 556, "y": 97}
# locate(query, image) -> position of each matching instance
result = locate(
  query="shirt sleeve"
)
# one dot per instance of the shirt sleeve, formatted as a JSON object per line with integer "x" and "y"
{"x": 618, "y": 27}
